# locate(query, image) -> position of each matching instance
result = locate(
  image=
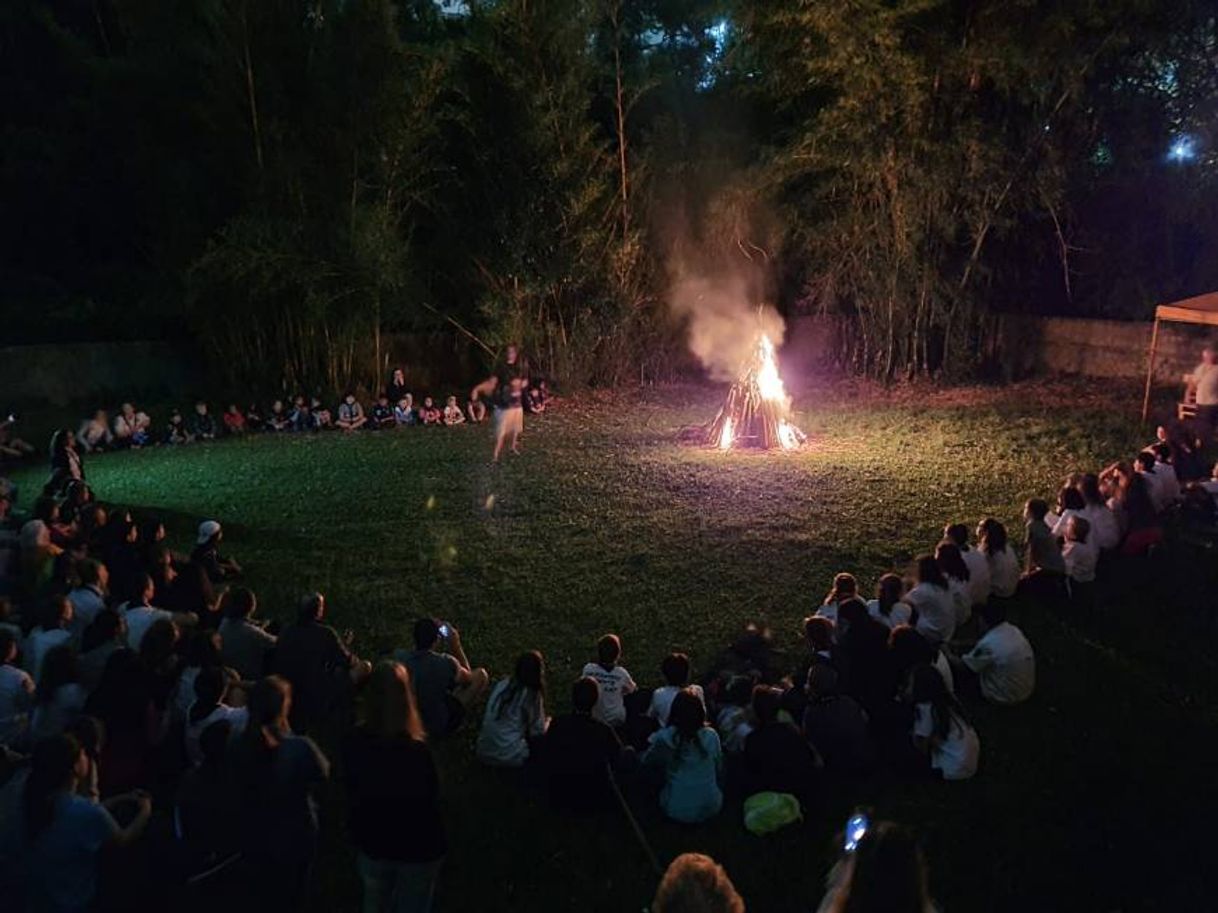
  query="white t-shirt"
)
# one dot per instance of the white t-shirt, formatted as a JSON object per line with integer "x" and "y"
{"x": 1081, "y": 559}
{"x": 955, "y": 756}
{"x": 1156, "y": 488}
{"x": 978, "y": 575}
{"x": 503, "y": 739}
{"x": 1004, "y": 663}
{"x": 16, "y": 699}
{"x": 237, "y": 718}
{"x": 898, "y": 614}
{"x": 828, "y": 610}
{"x": 961, "y": 601}
{"x": 1105, "y": 527}
{"x": 87, "y": 602}
{"x": 1170, "y": 481}
{"x": 1058, "y": 527}
{"x": 1206, "y": 378}
{"x": 38, "y": 644}
{"x": 615, "y": 684}
{"x": 944, "y": 668}
{"x": 53, "y": 717}
{"x": 1004, "y": 572}
{"x": 662, "y": 698}
{"x": 734, "y": 728}
{"x": 139, "y": 620}
{"x": 936, "y": 612}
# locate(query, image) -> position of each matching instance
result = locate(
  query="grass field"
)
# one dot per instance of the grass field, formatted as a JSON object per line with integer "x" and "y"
{"x": 1096, "y": 795}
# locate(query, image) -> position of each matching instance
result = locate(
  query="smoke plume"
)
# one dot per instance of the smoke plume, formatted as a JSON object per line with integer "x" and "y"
{"x": 723, "y": 315}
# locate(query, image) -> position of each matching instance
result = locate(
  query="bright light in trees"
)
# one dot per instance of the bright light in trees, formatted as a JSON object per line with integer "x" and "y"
{"x": 1182, "y": 149}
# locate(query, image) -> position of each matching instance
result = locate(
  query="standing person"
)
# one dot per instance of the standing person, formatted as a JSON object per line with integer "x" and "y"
{"x": 507, "y": 384}
{"x": 393, "y": 793}
{"x": 444, "y": 683}
{"x": 397, "y": 389}
{"x": 273, "y": 774}
{"x": 1203, "y": 383}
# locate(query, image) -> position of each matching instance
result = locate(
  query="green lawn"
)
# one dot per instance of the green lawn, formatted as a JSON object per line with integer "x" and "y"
{"x": 1094, "y": 796}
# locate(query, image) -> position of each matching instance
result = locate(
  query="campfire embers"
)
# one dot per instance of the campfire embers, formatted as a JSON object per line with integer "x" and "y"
{"x": 755, "y": 412}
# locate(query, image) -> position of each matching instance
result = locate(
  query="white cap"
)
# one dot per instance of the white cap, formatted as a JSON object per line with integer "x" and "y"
{"x": 207, "y": 529}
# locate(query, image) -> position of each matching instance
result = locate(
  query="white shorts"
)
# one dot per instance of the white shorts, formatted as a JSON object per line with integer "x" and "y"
{"x": 509, "y": 421}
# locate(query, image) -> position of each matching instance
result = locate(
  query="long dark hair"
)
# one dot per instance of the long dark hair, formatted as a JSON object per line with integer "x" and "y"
{"x": 927, "y": 687}
{"x": 993, "y": 536}
{"x": 688, "y": 717}
{"x": 59, "y": 667}
{"x": 51, "y": 770}
{"x": 929, "y": 572}
{"x": 887, "y": 874}
{"x": 888, "y": 592}
{"x": 951, "y": 562}
{"x": 529, "y": 675}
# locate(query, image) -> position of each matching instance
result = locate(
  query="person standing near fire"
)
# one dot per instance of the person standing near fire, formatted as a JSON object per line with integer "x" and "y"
{"x": 507, "y": 385}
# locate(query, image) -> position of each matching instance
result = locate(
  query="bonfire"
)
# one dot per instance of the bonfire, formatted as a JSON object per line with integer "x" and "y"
{"x": 756, "y": 411}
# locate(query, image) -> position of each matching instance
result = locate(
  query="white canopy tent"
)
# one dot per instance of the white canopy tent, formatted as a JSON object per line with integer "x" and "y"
{"x": 1201, "y": 310}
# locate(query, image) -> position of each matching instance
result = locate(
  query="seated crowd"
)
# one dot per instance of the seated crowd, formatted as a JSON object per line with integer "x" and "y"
{"x": 158, "y": 736}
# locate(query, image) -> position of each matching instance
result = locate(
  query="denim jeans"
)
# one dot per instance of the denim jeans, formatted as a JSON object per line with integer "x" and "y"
{"x": 397, "y": 887}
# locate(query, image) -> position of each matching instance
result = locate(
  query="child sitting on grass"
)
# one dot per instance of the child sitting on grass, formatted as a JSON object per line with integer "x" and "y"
{"x": 844, "y": 587}
{"x": 428, "y": 413}
{"x": 253, "y": 418}
{"x": 675, "y": 669}
{"x": 202, "y": 425}
{"x": 403, "y": 412}
{"x": 278, "y": 420}
{"x": 733, "y": 721}
{"x": 452, "y": 412}
{"x": 614, "y": 681}
{"x": 322, "y": 417}
{"x": 691, "y": 758}
{"x": 382, "y": 413}
{"x": 535, "y": 398}
{"x": 234, "y": 420}
{"x": 351, "y": 414}
{"x": 1081, "y": 557}
{"x": 302, "y": 415}
{"x": 175, "y": 431}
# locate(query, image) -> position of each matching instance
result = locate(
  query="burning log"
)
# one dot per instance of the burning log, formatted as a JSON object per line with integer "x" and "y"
{"x": 755, "y": 412}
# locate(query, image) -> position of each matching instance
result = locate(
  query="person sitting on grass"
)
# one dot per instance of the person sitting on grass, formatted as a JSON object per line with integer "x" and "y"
{"x": 54, "y": 630}
{"x": 16, "y": 691}
{"x": 94, "y": 433}
{"x": 64, "y": 833}
{"x": 429, "y": 414}
{"x": 391, "y": 778}
{"x": 140, "y": 614}
{"x": 10, "y": 446}
{"x": 1081, "y": 558}
{"x": 613, "y": 679}
{"x": 403, "y": 412}
{"x": 535, "y": 398}
{"x": 1070, "y": 502}
{"x": 382, "y": 413}
{"x": 578, "y": 754}
{"x": 844, "y": 587}
{"x": 273, "y": 774}
{"x": 245, "y": 645}
{"x": 175, "y": 429}
{"x": 861, "y": 657}
{"x": 932, "y": 601}
{"x": 206, "y": 553}
{"x": 452, "y": 412}
{"x": 688, "y": 752}
{"x": 319, "y": 664}
{"x": 974, "y": 559}
{"x": 733, "y": 720}
{"x": 106, "y": 635}
{"x": 1002, "y": 659}
{"x": 201, "y": 812}
{"x": 836, "y": 726}
{"x": 211, "y": 688}
{"x": 885, "y": 873}
{"x": 1165, "y": 468}
{"x": 889, "y": 606}
{"x": 202, "y": 425}
{"x": 476, "y": 409}
{"x": 254, "y": 419}
{"x": 957, "y": 574}
{"x": 941, "y": 732}
{"x": 819, "y": 634}
{"x": 445, "y": 684}
{"x": 777, "y": 758}
{"x": 302, "y": 415}
{"x": 515, "y": 715}
{"x": 131, "y": 428}
{"x": 1044, "y": 574}
{"x": 350, "y": 414}
{"x": 1003, "y": 564}
{"x": 675, "y": 670}
{"x": 278, "y": 419}
{"x": 234, "y": 420}
{"x": 695, "y": 883}
{"x": 88, "y": 598}
{"x": 322, "y": 417}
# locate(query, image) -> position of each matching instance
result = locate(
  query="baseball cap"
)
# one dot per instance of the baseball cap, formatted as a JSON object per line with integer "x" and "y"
{"x": 207, "y": 529}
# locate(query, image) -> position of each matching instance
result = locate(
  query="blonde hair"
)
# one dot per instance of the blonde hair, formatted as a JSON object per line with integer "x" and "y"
{"x": 696, "y": 884}
{"x": 390, "y": 708}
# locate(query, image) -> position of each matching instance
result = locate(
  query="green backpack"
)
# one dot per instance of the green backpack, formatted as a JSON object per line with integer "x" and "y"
{"x": 765, "y": 813}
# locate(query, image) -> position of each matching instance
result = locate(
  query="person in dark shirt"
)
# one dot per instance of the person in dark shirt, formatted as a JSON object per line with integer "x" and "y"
{"x": 577, "y": 753}
{"x": 207, "y": 555}
{"x": 776, "y": 757}
{"x": 318, "y": 663}
{"x": 393, "y": 796}
{"x": 382, "y": 414}
{"x": 202, "y": 426}
{"x": 397, "y": 386}
{"x": 507, "y": 386}
{"x": 862, "y": 656}
{"x": 444, "y": 682}
{"x": 819, "y": 633}
{"x": 836, "y": 726}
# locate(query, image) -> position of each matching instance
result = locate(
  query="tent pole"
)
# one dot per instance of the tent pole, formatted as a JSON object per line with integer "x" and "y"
{"x": 1150, "y": 369}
